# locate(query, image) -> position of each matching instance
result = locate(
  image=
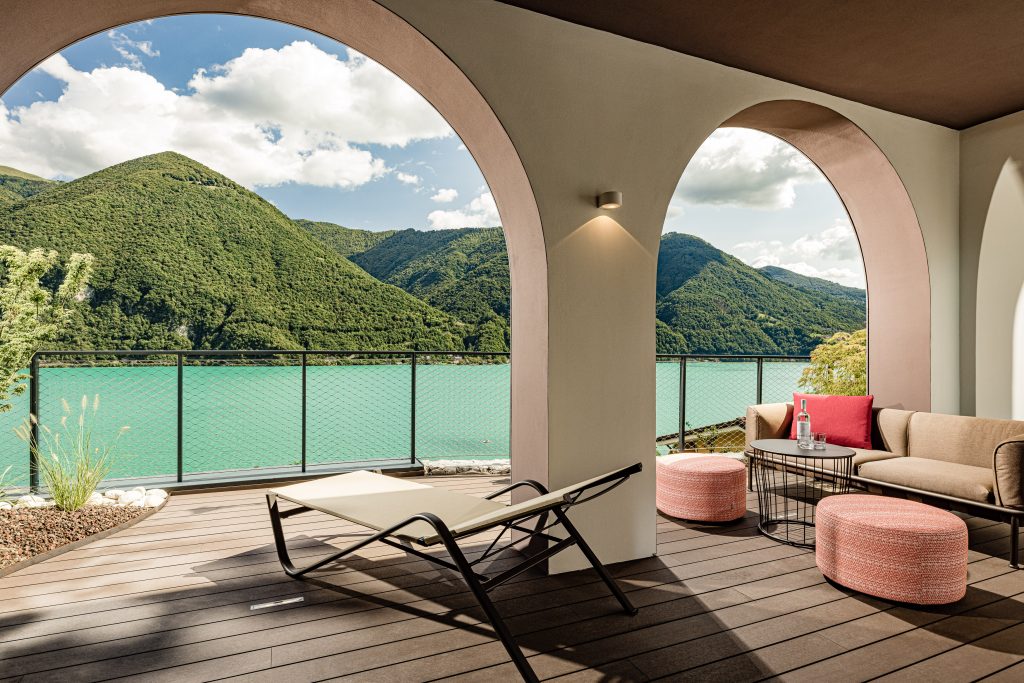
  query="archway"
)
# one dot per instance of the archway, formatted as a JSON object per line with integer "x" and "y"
{"x": 895, "y": 262}
{"x": 999, "y": 332}
{"x": 383, "y": 36}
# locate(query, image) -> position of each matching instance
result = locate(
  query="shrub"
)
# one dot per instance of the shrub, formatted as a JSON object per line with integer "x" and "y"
{"x": 70, "y": 464}
{"x": 839, "y": 365}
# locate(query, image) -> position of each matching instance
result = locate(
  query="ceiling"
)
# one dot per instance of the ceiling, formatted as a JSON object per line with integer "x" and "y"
{"x": 956, "y": 63}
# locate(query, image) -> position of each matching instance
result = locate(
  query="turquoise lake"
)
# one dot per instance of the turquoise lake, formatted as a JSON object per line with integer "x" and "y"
{"x": 244, "y": 417}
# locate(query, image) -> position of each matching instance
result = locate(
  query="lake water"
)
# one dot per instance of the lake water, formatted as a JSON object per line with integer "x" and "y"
{"x": 251, "y": 416}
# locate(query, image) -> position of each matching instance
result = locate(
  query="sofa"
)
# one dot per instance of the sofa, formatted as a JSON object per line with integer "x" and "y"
{"x": 968, "y": 464}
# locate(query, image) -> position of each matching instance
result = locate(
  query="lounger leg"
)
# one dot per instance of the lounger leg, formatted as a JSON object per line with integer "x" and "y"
{"x": 1014, "y": 541}
{"x": 516, "y": 654}
{"x": 627, "y": 606}
{"x": 282, "y": 549}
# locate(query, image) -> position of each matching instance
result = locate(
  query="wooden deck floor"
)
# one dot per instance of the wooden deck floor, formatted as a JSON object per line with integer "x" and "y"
{"x": 169, "y": 600}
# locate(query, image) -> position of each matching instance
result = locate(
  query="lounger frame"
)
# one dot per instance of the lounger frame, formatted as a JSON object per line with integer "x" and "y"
{"x": 479, "y": 584}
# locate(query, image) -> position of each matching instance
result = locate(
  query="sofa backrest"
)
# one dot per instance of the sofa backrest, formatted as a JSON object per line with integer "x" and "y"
{"x": 959, "y": 439}
{"x": 889, "y": 427}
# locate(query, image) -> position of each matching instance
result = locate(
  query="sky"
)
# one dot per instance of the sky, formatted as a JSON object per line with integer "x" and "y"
{"x": 326, "y": 134}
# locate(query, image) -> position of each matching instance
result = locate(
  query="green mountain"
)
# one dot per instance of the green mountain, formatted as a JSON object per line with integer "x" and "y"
{"x": 187, "y": 258}
{"x": 718, "y": 304}
{"x": 345, "y": 241}
{"x": 816, "y": 285}
{"x": 462, "y": 272}
{"x": 16, "y": 185}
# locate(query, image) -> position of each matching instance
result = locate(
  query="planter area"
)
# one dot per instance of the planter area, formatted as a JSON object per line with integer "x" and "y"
{"x": 32, "y": 528}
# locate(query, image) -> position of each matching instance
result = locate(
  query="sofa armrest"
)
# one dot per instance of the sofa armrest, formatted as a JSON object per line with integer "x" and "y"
{"x": 768, "y": 421}
{"x": 1008, "y": 471}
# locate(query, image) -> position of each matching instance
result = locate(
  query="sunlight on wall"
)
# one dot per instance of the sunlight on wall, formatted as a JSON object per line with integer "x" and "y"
{"x": 1017, "y": 400}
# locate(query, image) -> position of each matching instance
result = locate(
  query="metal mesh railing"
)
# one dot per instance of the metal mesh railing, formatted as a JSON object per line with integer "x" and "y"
{"x": 219, "y": 413}
{"x": 241, "y": 412}
{"x": 213, "y": 413}
{"x": 358, "y": 407}
{"x": 473, "y": 391}
{"x": 702, "y": 399}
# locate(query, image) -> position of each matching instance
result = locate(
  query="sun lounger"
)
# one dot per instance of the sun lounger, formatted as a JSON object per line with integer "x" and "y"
{"x": 407, "y": 514}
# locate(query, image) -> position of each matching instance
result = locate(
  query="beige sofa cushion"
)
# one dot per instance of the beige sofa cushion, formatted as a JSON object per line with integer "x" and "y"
{"x": 936, "y": 476}
{"x": 768, "y": 421}
{"x": 957, "y": 439}
{"x": 1008, "y": 464}
{"x": 861, "y": 456}
{"x": 889, "y": 429}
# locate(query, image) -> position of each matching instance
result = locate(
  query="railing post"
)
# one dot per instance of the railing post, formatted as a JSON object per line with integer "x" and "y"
{"x": 760, "y": 379}
{"x": 303, "y": 356}
{"x": 412, "y": 414}
{"x": 181, "y": 421}
{"x": 682, "y": 403}
{"x": 33, "y": 410}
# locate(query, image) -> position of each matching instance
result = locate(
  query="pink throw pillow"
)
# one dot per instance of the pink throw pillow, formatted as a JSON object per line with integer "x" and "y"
{"x": 846, "y": 420}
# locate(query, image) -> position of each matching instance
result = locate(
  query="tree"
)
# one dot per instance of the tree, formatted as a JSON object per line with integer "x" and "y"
{"x": 31, "y": 314}
{"x": 839, "y": 365}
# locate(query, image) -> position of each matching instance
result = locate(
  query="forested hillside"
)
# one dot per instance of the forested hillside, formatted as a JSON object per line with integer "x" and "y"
{"x": 816, "y": 285}
{"x": 462, "y": 272}
{"x": 718, "y": 304}
{"x": 187, "y": 258}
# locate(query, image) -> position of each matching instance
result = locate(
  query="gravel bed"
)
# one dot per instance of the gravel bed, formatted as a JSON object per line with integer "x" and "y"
{"x": 25, "y": 532}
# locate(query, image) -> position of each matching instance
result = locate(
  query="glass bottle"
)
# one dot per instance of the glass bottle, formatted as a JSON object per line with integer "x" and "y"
{"x": 803, "y": 426}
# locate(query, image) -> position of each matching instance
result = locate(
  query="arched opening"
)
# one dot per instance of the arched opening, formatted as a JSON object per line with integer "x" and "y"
{"x": 383, "y": 36}
{"x": 895, "y": 262}
{"x": 999, "y": 338}
{"x": 759, "y": 266}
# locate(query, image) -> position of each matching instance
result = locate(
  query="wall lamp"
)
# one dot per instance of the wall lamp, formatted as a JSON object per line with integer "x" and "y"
{"x": 609, "y": 200}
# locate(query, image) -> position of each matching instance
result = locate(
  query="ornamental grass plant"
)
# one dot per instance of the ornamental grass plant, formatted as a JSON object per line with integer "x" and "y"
{"x": 69, "y": 460}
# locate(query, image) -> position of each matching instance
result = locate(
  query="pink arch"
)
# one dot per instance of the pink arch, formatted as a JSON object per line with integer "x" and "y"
{"x": 895, "y": 262}
{"x": 32, "y": 31}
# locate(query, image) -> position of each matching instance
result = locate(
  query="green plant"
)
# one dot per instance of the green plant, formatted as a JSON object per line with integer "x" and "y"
{"x": 7, "y": 482}
{"x": 70, "y": 463}
{"x": 30, "y": 313}
{"x": 839, "y": 365}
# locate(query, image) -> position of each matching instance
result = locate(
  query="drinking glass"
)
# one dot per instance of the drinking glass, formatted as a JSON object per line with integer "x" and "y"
{"x": 819, "y": 440}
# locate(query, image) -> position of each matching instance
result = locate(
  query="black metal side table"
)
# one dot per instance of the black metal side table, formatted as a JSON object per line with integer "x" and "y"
{"x": 790, "y": 481}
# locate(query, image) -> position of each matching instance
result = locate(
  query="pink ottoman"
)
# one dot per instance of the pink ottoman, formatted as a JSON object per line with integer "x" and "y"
{"x": 891, "y": 548}
{"x": 705, "y": 489}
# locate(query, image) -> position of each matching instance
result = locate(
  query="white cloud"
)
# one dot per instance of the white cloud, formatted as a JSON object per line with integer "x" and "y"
{"x": 741, "y": 167}
{"x": 445, "y": 195}
{"x": 125, "y": 46}
{"x": 264, "y": 118}
{"x": 832, "y": 254}
{"x": 481, "y": 212}
{"x": 408, "y": 178}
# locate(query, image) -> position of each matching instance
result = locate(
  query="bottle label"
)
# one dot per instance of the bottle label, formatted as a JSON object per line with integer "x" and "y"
{"x": 803, "y": 431}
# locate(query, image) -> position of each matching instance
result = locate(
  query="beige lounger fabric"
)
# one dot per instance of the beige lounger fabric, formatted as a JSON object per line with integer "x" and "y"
{"x": 379, "y": 502}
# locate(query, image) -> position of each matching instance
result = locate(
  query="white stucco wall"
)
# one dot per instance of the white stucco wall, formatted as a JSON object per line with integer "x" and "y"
{"x": 991, "y": 258}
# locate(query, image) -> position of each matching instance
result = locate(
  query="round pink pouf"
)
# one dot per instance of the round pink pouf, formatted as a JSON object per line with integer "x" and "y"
{"x": 891, "y": 548}
{"x": 704, "y": 489}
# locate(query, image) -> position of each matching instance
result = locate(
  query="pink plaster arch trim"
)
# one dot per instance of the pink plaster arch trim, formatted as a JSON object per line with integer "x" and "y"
{"x": 895, "y": 261}
{"x": 34, "y": 30}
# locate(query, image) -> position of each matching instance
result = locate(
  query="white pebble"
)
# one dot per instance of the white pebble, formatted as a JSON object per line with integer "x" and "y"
{"x": 129, "y": 497}
{"x": 152, "y": 501}
{"x": 113, "y": 494}
{"x": 4, "y": 505}
{"x": 140, "y": 489}
{"x": 156, "y": 492}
